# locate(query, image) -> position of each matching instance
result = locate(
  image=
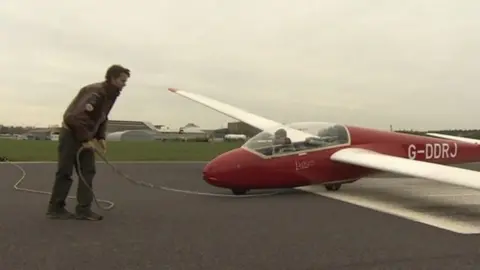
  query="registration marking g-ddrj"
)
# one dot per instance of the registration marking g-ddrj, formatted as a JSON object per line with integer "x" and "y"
{"x": 433, "y": 150}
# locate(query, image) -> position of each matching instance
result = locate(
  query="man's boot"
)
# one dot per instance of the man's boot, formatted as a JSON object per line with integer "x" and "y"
{"x": 58, "y": 211}
{"x": 85, "y": 213}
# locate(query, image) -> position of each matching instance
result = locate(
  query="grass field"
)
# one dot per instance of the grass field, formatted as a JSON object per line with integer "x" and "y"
{"x": 30, "y": 150}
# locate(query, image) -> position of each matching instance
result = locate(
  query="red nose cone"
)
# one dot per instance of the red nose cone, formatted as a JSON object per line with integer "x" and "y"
{"x": 210, "y": 170}
{"x": 223, "y": 171}
{"x": 214, "y": 172}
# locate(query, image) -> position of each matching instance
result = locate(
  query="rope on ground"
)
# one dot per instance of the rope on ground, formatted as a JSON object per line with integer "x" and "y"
{"x": 110, "y": 204}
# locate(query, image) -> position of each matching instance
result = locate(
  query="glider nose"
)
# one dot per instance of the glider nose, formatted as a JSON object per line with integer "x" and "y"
{"x": 209, "y": 172}
{"x": 223, "y": 170}
{"x": 214, "y": 171}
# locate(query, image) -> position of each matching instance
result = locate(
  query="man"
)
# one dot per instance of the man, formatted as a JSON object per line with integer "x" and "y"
{"x": 281, "y": 137}
{"x": 84, "y": 123}
{"x": 281, "y": 142}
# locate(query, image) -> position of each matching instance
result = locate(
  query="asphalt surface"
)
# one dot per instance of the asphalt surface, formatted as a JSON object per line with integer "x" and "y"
{"x": 154, "y": 229}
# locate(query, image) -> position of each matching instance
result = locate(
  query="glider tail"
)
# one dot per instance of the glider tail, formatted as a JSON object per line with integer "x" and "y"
{"x": 455, "y": 138}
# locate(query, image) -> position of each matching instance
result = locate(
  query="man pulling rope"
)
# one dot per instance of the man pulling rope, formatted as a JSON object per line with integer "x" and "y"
{"x": 84, "y": 124}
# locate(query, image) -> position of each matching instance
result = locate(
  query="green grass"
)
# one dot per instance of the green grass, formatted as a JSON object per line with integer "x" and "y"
{"x": 29, "y": 150}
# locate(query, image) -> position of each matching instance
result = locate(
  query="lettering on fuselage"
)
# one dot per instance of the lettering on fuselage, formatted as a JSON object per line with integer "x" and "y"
{"x": 433, "y": 150}
{"x": 303, "y": 164}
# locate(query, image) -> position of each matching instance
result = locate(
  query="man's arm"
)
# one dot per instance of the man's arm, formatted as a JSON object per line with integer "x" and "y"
{"x": 78, "y": 124}
{"x": 102, "y": 129}
{"x": 78, "y": 115}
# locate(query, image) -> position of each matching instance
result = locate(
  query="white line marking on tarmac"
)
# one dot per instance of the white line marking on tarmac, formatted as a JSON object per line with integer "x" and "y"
{"x": 456, "y": 212}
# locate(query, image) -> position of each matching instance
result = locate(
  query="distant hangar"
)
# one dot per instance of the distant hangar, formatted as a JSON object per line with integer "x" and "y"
{"x": 123, "y": 130}
{"x": 131, "y": 135}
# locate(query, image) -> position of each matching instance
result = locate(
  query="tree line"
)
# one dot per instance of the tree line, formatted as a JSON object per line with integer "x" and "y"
{"x": 470, "y": 133}
{"x": 15, "y": 129}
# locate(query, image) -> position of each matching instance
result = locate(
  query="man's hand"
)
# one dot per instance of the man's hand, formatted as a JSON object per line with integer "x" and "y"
{"x": 100, "y": 145}
{"x": 89, "y": 145}
{"x": 103, "y": 145}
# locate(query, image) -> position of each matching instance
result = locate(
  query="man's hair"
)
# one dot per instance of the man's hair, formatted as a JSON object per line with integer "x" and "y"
{"x": 114, "y": 71}
{"x": 281, "y": 132}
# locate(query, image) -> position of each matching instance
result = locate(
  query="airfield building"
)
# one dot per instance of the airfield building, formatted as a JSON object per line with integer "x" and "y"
{"x": 132, "y": 135}
{"x": 122, "y": 125}
{"x": 242, "y": 128}
{"x": 38, "y": 134}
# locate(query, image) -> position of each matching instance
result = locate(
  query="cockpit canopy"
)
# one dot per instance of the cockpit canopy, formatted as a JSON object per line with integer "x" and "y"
{"x": 285, "y": 140}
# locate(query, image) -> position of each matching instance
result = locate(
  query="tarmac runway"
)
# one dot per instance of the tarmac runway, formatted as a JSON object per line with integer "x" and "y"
{"x": 377, "y": 223}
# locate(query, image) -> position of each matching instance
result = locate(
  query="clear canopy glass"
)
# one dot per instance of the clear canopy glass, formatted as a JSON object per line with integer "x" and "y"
{"x": 295, "y": 137}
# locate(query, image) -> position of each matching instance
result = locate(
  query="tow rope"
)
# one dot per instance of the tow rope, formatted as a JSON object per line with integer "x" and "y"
{"x": 110, "y": 204}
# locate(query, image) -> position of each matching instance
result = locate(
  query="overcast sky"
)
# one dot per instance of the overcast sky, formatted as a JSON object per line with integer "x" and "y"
{"x": 412, "y": 64}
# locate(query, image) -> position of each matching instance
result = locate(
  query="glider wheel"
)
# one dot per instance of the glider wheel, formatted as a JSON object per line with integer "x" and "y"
{"x": 239, "y": 191}
{"x": 333, "y": 187}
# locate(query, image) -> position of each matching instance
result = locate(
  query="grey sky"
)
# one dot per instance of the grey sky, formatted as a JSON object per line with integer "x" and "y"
{"x": 374, "y": 63}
